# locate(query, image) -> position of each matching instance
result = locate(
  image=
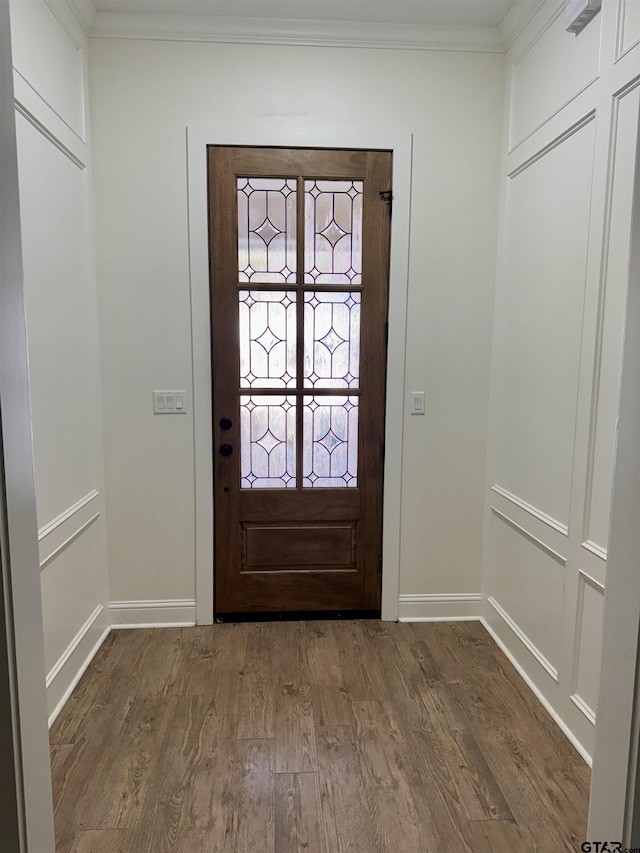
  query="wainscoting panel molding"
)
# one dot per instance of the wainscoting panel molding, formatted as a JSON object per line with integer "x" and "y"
{"x": 571, "y": 66}
{"x": 568, "y": 172}
{"x": 535, "y": 651}
{"x": 61, "y": 531}
{"x": 69, "y": 669}
{"x": 628, "y": 27}
{"x": 532, "y": 510}
{"x": 538, "y": 693}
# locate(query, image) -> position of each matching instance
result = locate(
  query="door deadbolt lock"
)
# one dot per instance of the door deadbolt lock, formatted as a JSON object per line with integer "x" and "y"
{"x": 225, "y": 450}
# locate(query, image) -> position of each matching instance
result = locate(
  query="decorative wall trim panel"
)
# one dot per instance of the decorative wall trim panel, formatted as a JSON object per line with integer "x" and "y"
{"x": 46, "y": 529}
{"x": 538, "y": 693}
{"x": 533, "y": 539}
{"x": 600, "y": 321}
{"x": 583, "y": 579}
{"x": 532, "y": 510}
{"x": 575, "y": 127}
{"x": 530, "y": 45}
{"x": 552, "y": 115}
{"x": 211, "y": 28}
{"x": 439, "y": 607}
{"x": 73, "y": 645}
{"x": 597, "y": 550}
{"x": 526, "y": 642}
{"x": 81, "y": 669}
{"x": 153, "y": 614}
{"x": 57, "y": 551}
{"x": 582, "y": 706}
{"x": 68, "y": 22}
{"x": 46, "y": 121}
{"x": 623, "y": 49}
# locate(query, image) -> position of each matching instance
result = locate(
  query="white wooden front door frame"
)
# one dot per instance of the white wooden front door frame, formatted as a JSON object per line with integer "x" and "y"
{"x": 248, "y": 133}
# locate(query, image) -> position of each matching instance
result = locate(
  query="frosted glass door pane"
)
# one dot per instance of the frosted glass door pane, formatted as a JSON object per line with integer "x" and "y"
{"x": 330, "y": 442}
{"x": 333, "y": 232}
{"x": 267, "y": 230}
{"x": 267, "y": 338}
{"x": 267, "y": 442}
{"x": 331, "y": 339}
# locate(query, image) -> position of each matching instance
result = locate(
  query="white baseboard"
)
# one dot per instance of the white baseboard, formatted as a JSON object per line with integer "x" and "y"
{"x": 160, "y": 613}
{"x": 446, "y": 607}
{"x": 67, "y": 672}
{"x": 539, "y": 695}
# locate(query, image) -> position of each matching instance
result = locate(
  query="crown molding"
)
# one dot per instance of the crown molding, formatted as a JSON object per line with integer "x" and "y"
{"x": 211, "y": 28}
{"x": 516, "y": 19}
{"x": 85, "y": 13}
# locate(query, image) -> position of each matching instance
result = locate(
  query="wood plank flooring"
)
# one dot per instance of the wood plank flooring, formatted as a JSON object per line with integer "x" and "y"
{"x": 322, "y": 737}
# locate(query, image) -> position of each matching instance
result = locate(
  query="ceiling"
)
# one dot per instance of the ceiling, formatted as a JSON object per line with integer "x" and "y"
{"x": 476, "y": 13}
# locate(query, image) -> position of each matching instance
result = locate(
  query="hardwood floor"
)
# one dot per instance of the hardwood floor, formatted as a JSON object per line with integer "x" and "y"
{"x": 323, "y": 737}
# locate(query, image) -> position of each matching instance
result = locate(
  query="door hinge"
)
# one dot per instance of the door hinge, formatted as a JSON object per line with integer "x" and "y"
{"x": 386, "y": 334}
{"x": 387, "y": 195}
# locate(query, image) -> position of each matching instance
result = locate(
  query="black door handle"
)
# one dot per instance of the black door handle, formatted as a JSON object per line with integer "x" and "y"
{"x": 225, "y": 423}
{"x": 225, "y": 450}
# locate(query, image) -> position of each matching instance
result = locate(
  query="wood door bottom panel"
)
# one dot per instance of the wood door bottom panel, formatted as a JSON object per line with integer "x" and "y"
{"x": 287, "y": 591}
{"x": 298, "y": 547}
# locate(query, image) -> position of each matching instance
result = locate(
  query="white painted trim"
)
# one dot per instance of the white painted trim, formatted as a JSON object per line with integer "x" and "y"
{"x": 249, "y": 133}
{"x": 538, "y": 33}
{"x": 68, "y": 22}
{"x": 32, "y": 106}
{"x": 73, "y": 645}
{"x": 46, "y": 529}
{"x": 589, "y": 545}
{"x": 595, "y": 549}
{"x": 517, "y": 19}
{"x": 583, "y": 579}
{"x": 538, "y": 694}
{"x": 153, "y": 614}
{"x": 532, "y": 510}
{"x": 582, "y": 706}
{"x": 235, "y": 30}
{"x": 534, "y": 539}
{"x": 524, "y": 639}
{"x": 583, "y": 121}
{"x": 440, "y": 607}
{"x": 85, "y": 13}
{"x": 621, "y": 50}
{"x": 591, "y": 580}
{"x": 136, "y": 625}
{"x": 68, "y": 541}
{"x": 74, "y": 683}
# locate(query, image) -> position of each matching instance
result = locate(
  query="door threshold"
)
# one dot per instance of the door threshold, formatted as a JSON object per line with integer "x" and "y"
{"x": 297, "y": 615}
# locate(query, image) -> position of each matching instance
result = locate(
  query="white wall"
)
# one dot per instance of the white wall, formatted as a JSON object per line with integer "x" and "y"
{"x": 567, "y": 179}
{"x": 50, "y": 61}
{"x": 143, "y": 96}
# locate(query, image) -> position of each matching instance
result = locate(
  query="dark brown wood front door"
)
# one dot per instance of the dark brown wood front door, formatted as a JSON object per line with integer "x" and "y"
{"x": 299, "y": 253}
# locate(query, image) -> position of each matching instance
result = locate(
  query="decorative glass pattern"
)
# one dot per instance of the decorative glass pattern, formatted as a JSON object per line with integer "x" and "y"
{"x": 332, "y": 339}
{"x": 333, "y": 232}
{"x": 267, "y": 230}
{"x": 330, "y": 442}
{"x": 267, "y": 338}
{"x": 267, "y": 442}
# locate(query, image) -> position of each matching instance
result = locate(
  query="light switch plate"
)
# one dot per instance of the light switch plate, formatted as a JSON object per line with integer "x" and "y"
{"x": 417, "y": 403}
{"x": 169, "y": 402}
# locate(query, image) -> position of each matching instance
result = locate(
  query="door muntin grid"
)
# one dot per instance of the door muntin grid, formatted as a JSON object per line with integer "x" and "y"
{"x": 303, "y": 340}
